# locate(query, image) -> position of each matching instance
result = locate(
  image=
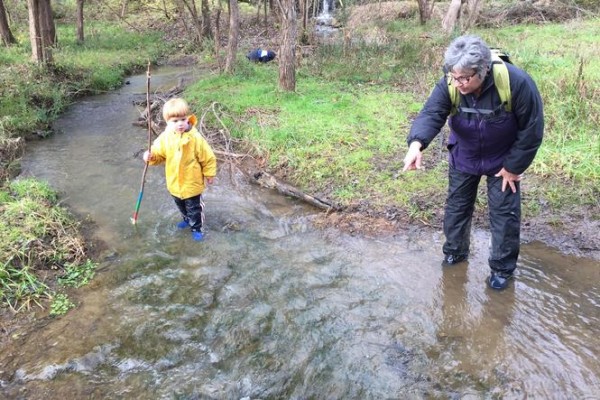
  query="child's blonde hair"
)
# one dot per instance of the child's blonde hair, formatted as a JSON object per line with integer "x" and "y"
{"x": 176, "y": 108}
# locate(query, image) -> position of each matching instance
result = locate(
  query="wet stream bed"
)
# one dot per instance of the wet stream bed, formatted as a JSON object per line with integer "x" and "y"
{"x": 268, "y": 307}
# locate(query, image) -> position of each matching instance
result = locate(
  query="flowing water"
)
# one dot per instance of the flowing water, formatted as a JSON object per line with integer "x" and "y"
{"x": 267, "y": 307}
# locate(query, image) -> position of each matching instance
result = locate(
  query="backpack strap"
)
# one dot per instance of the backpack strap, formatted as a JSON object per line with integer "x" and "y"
{"x": 501, "y": 81}
{"x": 454, "y": 95}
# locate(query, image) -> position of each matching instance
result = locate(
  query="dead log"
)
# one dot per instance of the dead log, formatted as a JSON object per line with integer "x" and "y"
{"x": 229, "y": 154}
{"x": 269, "y": 181}
{"x": 143, "y": 124}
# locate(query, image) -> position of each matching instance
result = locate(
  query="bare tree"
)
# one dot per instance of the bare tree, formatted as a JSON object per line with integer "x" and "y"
{"x": 80, "y": 21}
{"x": 234, "y": 29}
{"x": 35, "y": 33}
{"x": 266, "y": 20}
{"x": 217, "y": 36}
{"x": 206, "y": 29}
{"x": 425, "y": 10}
{"x": 190, "y": 5}
{"x": 449, "y": 21}
{"x": 39, "y": 31}
{"x": 201, "y": 21}
{"x": 124, "y": 5}
{"x": 47, "y": 24}
{"x": 165, "y": 10}
{"x": 473, "y": 8}
{"x": 5, "y": 33}
{"x": 287, "y": 50}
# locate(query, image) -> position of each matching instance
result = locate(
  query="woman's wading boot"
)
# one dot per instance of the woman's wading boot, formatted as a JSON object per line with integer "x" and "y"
{"x": 498, "y": 281}
{"x": 451, "y": 259}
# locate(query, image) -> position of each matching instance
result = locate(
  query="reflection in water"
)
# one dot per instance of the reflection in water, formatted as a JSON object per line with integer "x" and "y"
{"x": 538, "y": 338}
{"x": 267, "y": 307}
{"x": 474, "y": 339}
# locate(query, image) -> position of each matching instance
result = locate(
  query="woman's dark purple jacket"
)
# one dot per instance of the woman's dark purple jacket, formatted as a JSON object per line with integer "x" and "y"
{"x": 486, "y": 138}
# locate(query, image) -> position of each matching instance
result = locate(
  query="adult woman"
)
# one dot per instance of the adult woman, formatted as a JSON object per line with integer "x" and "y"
{"x": 485, "y": 139}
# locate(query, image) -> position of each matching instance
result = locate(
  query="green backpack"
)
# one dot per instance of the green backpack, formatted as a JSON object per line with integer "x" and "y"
{"x": 501, "y": 81}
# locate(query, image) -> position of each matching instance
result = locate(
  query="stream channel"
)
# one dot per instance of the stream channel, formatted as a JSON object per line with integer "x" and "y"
{"x": 268, "y": 307}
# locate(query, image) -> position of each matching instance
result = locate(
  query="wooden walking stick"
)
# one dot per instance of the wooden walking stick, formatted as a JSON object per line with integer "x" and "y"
{"x": 149, "y": 120}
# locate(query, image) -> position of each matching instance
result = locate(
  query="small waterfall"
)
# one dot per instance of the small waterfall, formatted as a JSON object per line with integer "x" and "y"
{"x": 325, "y": 17}
{"x": 325, "y": 9}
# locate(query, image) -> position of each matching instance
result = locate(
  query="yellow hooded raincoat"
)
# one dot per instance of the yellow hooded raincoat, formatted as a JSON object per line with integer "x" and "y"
{"x": 188, "y": 160}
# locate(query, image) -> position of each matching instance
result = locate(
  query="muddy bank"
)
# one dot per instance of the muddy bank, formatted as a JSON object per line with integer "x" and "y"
{"x": 572, "y": 233}
{"x": 576, "y": 235}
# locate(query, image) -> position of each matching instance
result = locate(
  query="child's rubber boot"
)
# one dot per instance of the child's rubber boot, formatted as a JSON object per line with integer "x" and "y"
{"x": 182, "y": 225}
{"x": 197, "y": 236}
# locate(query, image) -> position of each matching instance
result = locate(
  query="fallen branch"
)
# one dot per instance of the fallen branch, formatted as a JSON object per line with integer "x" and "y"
{"x": 229, "y": 154}
{"x": 269, "y": 181}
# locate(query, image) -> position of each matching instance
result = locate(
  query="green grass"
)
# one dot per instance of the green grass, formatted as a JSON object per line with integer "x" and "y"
{"x": 31, "y": 97}
{"x": 326, "y": 133}
{"x": 563, "y": 61}
{"x": 342, "y": 134}
{"x": 36, "y": 235}
{"x": 61, "y": 304}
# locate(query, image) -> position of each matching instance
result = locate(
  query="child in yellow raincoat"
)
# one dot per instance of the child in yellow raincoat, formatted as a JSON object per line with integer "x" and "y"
{"x": 189, "y": 161}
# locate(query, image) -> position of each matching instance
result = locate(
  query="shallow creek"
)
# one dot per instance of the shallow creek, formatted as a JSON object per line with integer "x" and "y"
{"x": 267, "y": 307}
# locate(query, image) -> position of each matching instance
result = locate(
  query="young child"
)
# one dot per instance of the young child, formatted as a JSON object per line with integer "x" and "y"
{"x": 188, "y": 160}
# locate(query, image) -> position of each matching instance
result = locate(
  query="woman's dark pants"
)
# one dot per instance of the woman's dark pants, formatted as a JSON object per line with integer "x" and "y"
{"x": 192, "y": 211}
{"x": 504, "y": 216}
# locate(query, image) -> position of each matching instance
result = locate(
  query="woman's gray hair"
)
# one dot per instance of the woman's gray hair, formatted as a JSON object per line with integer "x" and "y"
{"x": 468, "y": 52}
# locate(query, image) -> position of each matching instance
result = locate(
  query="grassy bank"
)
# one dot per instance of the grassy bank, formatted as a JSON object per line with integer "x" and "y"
{"x": 42, "y": 250}
{"x": 32, "y": 97}
{"x": 342, "y": 135}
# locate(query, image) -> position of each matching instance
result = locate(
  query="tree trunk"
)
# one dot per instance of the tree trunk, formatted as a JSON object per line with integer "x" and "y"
{"x": 266, "y": 22}
{"x": 39, "y": 31}
{"x": 206, "y": 29}
{"x": 217, "y": 37}
{"x": 425, "y": 9}
{"x": 304, "y": 36}
{"x": 80, "y": 21}
{"x": 47, "y": 25}
{"x": 473, "y": 8}
{"x": 287, "y": 51}
{"x": 124, "y": 4}
{"x": 234, "y": 28}
{"x": 452, "y": 16}
{"x": 35, "y": 35}
{"x": 180, "y": 13}
{"x": 191, "y": 7}
{"x": 165, "y": 10}
{"x": 275, "y": 9}
{"x": 5, "y": 33}
{"x": 303, "y": 7}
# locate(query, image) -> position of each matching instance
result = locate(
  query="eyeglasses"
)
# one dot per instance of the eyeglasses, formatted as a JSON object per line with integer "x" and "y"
{"x": 461, "y": 79}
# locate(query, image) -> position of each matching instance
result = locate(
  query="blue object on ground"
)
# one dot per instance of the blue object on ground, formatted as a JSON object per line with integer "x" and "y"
{"x": 260, "y": 55}
{"x": 182, "y": 224}
{"x": 197, "y": 236}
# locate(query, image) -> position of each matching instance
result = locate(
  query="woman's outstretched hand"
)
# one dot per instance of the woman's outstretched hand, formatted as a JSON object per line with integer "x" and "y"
{"x": 413, "y": 157}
